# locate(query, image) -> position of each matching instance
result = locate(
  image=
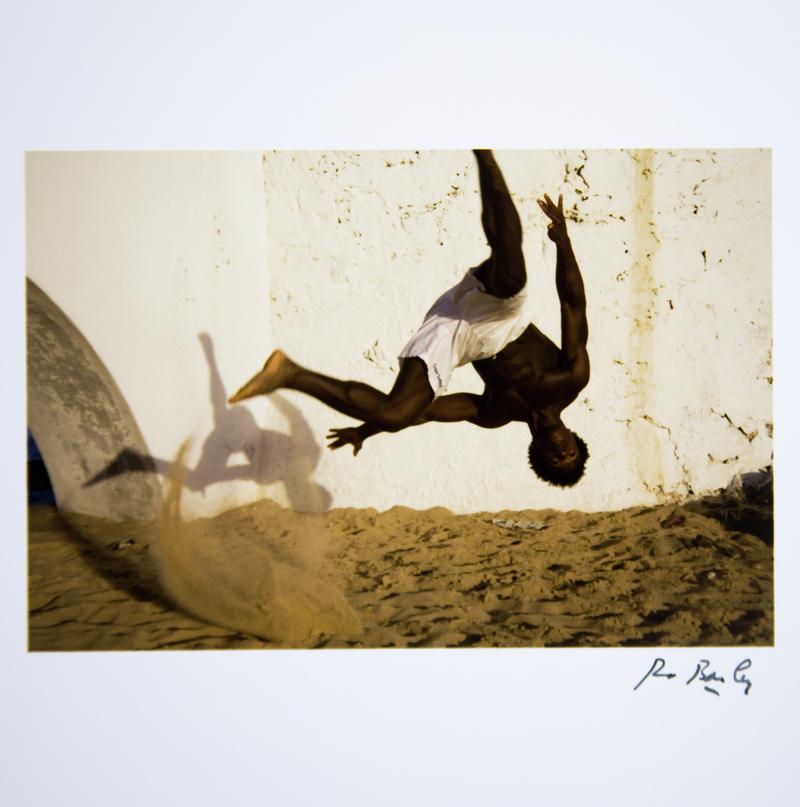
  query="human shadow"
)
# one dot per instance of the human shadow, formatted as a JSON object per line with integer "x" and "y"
{"x": 265, "y": 456}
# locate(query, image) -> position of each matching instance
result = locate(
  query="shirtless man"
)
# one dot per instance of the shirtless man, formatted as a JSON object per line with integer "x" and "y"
{"x": 527, "y": 378}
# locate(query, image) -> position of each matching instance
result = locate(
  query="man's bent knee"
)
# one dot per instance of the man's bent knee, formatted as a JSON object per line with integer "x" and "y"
{"x": 410, "y": 396}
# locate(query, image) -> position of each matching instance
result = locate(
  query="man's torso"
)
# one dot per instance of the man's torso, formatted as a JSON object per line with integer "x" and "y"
{"x": 528, "y": 374}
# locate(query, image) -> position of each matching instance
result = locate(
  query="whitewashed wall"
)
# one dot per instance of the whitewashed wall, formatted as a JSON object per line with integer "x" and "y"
{"x": 335, "y": 256}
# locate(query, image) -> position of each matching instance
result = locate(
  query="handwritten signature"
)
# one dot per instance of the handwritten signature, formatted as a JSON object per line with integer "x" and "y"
{"x": 703, "y": 674}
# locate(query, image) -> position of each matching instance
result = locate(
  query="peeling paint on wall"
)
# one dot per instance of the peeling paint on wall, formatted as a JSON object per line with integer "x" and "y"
{"x": 646, "y": 443}
{"x": 335, "y": 257}
{"x": 643, "y": 410}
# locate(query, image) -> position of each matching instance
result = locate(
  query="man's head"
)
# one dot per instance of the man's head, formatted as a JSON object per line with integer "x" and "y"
{"x": 558, "y": 456}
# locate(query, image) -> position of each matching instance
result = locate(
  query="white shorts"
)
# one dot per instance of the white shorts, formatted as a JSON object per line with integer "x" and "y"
{"x": 465, "y": 324}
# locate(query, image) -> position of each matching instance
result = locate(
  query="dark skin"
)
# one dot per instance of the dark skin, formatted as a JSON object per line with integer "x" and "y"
{"x": 530, "y": 381}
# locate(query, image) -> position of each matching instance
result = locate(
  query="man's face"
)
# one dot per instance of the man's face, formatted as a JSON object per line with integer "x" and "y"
{"x": 558, "y": 448}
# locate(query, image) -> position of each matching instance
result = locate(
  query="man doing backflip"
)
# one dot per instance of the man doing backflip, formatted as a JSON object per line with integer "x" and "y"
{"x": 527, "y": 378}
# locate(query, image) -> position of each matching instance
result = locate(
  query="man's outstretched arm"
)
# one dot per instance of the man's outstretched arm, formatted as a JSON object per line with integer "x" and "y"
{"x": 505, "y": 271}
{"x": 569, "y": 284}
{"x": 461, "y": 406}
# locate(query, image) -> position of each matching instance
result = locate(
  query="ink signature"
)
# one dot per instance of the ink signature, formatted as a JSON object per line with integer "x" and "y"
{"x": 704, "y": 674}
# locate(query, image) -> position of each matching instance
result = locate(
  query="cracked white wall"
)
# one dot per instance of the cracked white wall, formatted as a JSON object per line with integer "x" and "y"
{"x": 335, "y": 256}
{"x": 675, "y": 252}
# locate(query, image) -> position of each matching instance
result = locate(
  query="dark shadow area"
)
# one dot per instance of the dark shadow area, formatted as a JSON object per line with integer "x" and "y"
{"x": 118, "y": 552}
{"x": 40, "y": 488}
{"x": 268, "y": 456}
{"x": 744, "y": 506}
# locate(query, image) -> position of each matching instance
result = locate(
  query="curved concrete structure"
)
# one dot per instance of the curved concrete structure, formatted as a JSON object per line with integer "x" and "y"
{"x": 79, "y": 419}
{"x": 183, "y": 270}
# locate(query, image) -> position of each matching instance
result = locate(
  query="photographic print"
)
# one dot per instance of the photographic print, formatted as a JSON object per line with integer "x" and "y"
{"x": 399, "y": 399}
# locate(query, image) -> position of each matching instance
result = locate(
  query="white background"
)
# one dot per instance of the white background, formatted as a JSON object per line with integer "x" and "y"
{"x": 389, "y": 727}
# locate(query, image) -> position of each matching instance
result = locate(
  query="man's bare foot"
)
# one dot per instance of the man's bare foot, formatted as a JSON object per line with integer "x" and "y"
{"x": 276, "y": 372}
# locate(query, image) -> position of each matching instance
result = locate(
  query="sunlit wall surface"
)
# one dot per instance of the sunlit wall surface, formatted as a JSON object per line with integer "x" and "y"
{"x": 184, "y": 270}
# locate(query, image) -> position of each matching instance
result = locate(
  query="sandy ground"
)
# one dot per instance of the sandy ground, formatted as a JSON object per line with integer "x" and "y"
{"x": 262, "y": 576}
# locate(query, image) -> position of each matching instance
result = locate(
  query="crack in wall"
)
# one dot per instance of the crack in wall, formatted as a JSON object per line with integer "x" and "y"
{"x": 749, "y": 436}
{"x": 687, "y": 474}
{"x": 638, "y": 235}
{"x": 644, "y": 245}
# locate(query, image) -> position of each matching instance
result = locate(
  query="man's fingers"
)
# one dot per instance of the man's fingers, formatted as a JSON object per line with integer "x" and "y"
{"x": 554, "y": 212}
{"x": 338, "y": 442}
{"x": 343, "y": 437}
{"x": 548, "y": 210}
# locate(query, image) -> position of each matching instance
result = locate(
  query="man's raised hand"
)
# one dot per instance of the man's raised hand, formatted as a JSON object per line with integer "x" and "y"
{"x": 345, "y": 437}
{"x": 557, "y": 228}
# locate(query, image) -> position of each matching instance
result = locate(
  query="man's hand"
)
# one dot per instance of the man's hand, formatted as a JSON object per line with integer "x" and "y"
{"x": 344, "y": 437}
{"x": 557, "y": 229}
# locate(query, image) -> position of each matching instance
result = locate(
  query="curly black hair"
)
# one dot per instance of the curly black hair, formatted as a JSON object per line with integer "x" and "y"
{"x": 555, "y": 476}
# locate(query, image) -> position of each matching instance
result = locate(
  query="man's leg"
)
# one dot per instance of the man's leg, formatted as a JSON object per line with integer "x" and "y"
{"x": 409, "y": 397}
{"x": 503, "y": 275}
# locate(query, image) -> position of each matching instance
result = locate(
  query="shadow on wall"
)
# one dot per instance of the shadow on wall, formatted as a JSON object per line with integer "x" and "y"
{"x": 270, "y": 456}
